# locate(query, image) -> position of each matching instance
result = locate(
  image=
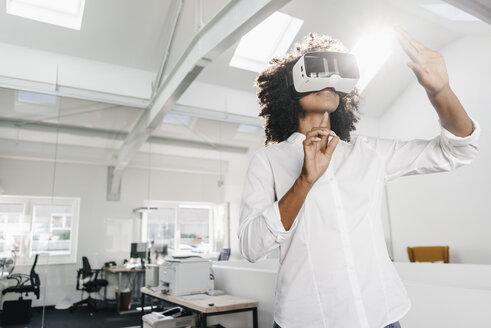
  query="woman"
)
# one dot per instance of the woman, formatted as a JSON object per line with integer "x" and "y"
{"x": 315, "y": 193}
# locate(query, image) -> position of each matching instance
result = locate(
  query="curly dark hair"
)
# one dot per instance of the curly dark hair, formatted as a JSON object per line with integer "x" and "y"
{"x": 282, "y": 112}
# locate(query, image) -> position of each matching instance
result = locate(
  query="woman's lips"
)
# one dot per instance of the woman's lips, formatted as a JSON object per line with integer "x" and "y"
{"x": 326, "y": 90}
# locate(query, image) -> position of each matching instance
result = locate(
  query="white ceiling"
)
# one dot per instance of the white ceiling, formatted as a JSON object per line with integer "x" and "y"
{"x": 347, "y": 20}
{"x": 121, "y": 32}
{"x": 132, "y": 34}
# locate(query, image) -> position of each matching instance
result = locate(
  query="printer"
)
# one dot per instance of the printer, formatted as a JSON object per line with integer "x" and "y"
{"x": 185, "y": 276}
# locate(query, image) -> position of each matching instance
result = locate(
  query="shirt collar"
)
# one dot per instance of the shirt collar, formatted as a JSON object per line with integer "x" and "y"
{"x": 298, "y": 138}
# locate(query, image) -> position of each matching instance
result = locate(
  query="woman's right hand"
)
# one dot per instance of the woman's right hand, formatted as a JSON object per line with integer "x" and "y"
{"x": 318, "y": 151}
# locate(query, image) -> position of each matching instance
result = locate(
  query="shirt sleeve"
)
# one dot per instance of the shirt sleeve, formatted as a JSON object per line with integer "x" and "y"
{"x": 260, "y": 229}
{"x": 419, "y": 156}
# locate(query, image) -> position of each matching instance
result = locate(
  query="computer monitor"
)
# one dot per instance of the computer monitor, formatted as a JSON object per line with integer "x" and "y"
{"x": 138, "y": 250}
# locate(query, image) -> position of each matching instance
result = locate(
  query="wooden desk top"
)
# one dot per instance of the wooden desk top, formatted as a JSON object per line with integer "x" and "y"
{"x": 118, "y": 269}
{"x": 220, "y": 303}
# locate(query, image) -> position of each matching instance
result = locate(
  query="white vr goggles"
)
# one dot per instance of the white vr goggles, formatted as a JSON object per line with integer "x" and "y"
{"x": 319, "y": 70}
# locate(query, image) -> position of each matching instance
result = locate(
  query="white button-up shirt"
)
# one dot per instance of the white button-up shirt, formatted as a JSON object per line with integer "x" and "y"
{"x": 335, "y": 271}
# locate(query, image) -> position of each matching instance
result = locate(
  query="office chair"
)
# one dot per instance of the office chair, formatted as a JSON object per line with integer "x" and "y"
{"x": 25, "y": 283}
{"x": 19, "y": 311}
{"x": 224, "y": 255}
{"x": 428, "y": 254}
{"x": 87, "y": 280}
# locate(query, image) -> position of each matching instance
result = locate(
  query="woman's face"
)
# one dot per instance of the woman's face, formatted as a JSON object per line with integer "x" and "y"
{"x": 326, "y": 100}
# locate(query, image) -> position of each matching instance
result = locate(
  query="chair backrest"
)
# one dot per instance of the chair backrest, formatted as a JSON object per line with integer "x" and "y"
{"x": 224, "y": 255}
{"x": 34, "y": 277}
{"x": 428, "y": 254}
{"x": 86, "y": 269}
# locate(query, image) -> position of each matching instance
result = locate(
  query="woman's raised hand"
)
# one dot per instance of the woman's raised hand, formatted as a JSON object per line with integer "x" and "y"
{"x": 318, "y": 151}
{"x": 427, "y": 64}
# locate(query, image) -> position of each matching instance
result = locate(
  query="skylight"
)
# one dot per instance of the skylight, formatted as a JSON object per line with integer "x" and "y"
{"x": 247, "y": 128}
{"x": 270, "y": 38}
{"x": 36, "y": 98}
{"x": 449, "y": 12}
{"x": 175, "y": 118}
{"x": 371, "y": 53}
{"x": 36, "y": 103}
{"x": 65, "y": 13}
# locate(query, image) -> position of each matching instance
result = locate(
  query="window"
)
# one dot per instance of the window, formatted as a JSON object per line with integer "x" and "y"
{"x": 186, "y": 228}
{"x": 65, "y": 13}
{"x": 13, "y": 226}
{"x": 270, "y": 38}
{"x": 449, "y": 12}
{"x": 39, "y": 225}
{"x": 51, "y": 229}
{"x": 161, "y": 225}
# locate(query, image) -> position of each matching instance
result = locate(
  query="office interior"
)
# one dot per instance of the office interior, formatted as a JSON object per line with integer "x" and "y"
{"x": 125, "y": 137}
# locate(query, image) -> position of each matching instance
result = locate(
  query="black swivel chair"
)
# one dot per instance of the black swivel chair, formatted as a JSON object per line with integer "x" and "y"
{"x": 25, "y": 283}
{"x": 19, "y": 311}
{"x": 90, "y": 284}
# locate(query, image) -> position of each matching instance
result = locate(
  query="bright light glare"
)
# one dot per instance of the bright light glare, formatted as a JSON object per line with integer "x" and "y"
{"x": 270, "y": 38}
{"x": 449, "y": 12}
{"x": 66, "y": 13}
{"x": 371, "y": 53}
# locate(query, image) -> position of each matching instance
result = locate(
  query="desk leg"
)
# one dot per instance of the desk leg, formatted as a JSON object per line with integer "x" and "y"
{"x": 105, "y": 288}
{"x": 118, "y": 303}
{"x": 254, "y": 318}
{"x": 143, "y": 306}
{"x": 142, "y": 302}
{"x": 202, "y": 319}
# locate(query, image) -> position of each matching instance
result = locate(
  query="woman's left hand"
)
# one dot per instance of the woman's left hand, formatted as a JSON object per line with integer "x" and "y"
{"x": 428, "y": 65}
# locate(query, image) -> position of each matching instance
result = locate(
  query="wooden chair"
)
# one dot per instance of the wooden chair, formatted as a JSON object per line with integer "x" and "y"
{"x": 428, "y": 254}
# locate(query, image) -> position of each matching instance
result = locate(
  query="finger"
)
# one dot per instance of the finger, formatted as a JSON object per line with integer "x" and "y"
{"x": 325, "y": 140}
{"x": 310, "y": 141}
{"x": 317, "y": 132}
{"x": 417, "y": 68}
{"x": 413, "y": 48}
{"x": 325, "y": 124}
{"x": 331, "y": 146}
{"x": 415, "y": 43}
{"x": 325, "y": 120}
{"x": 409, "y": 48}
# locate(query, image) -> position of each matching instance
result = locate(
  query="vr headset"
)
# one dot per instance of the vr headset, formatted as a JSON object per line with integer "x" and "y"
{"x": 319, "y": 70}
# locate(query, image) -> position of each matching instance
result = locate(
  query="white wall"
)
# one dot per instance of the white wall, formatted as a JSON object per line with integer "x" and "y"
{"x": 106, "y": 229}
{"x": 450, "y": 208}
{"x": 442, "y": 295}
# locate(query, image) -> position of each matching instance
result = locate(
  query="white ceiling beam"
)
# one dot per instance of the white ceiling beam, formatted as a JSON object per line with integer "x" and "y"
{"x": 225, "y": 29}
{"x": 171, "y": 22}
{"x": 220, "y": 98}
{"x": 116, "y": 135}
{"x": 216, "y": 115}
{"x": 477, "y": 8}
{"x": 86, "y": 155}
{"x": 28, "y": 69}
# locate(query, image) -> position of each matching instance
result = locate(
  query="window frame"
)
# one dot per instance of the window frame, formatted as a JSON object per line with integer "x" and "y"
{"x": 29, "y": 203}
{"x": 149, "y": 205}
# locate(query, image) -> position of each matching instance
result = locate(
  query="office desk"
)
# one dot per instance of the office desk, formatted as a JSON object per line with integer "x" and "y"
{"x": 222, "y": 304}
{"x": 120, "y": 270}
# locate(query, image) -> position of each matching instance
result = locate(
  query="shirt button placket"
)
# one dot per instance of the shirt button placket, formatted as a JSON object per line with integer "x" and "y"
{"x": 348, "y": 252}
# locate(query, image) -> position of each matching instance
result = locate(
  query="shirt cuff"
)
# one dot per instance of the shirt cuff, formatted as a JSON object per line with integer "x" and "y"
{"x": 462, "y": 141}
{"x": 272, "y": 218}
